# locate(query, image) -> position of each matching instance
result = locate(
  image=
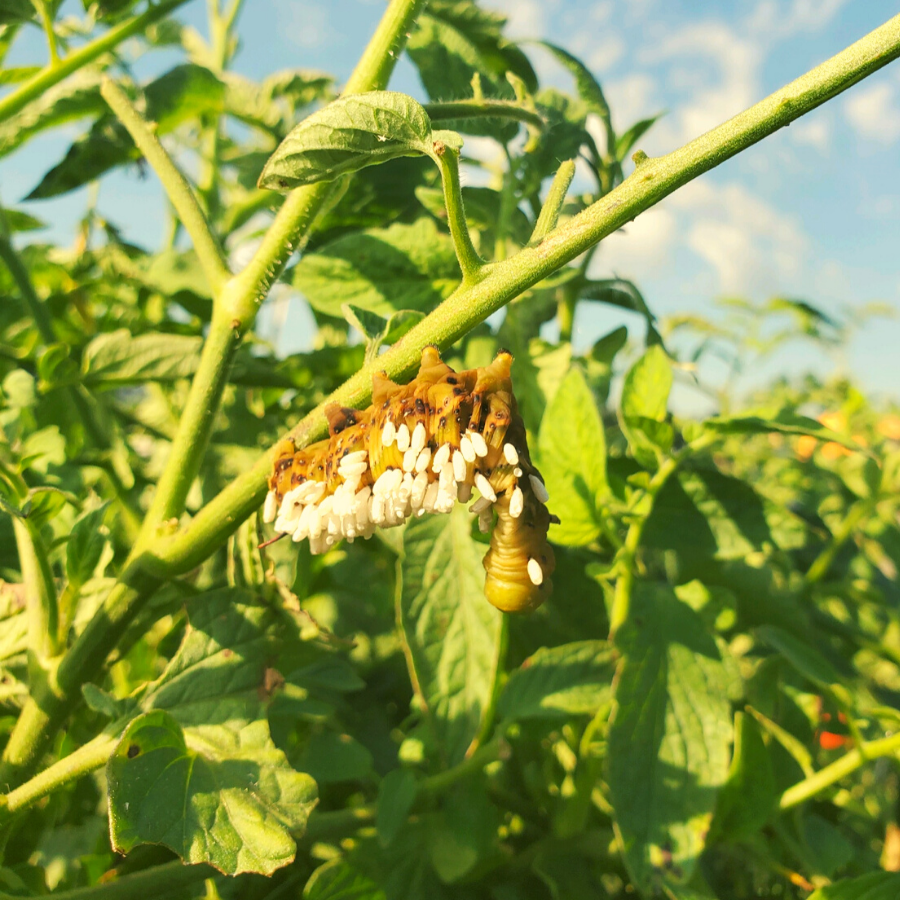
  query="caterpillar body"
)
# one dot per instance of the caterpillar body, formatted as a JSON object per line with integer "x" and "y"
{"x": 420, "y": 448}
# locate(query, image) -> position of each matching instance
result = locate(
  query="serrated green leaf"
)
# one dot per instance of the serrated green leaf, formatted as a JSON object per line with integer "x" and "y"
{"x": 180, "y": 95}
{"x": 617, "y": 292}
{"x": 748, "y": 798}
{"x": 116, "y": 358}
{"x": 462, "y": 832}
{"x": 805, "y": 658}
{"x": 451, "y": 633}
{"x": 85, "y": 546}
{"x": 783, "y": 423}
{"x": 669, "y": 738}
{"x": 874, "y": 886}
{"x": 347, "y": 135}
{"x": 572, "y": 450}
{"x": 645, "y": 396}
{"x": 381, "y": 270}
{"x": 197, "y": 769}
{"x": 559, "y": 682}
{"x": 338, "y": 880}
{"x": 396, "y": 795}
{"x": 228, "y": 798}
{"x": 330, "y": 757}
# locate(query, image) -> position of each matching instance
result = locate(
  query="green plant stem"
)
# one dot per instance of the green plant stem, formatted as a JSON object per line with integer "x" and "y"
{"x": 840, "y": 768}
{"x": 469, "y": 260}
{"x": 454, "y": 110}
{"x": 621, "y": 605}
{"x": 53, "y": 74}
{"x": 155, "y": 882}
{"x": 41, "y": 602}
{"x": 175, "y": 185}
{"x": 556, "y": 197}
{"x": 23, "y": 282}
{"x": 234, "y": 310}
{"x": 47, "y": 23}
{"x": 823, "y": 562}
{"x": 85, "y": 759}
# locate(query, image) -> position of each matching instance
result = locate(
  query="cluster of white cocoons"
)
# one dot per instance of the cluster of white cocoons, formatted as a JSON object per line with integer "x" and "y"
{"x": 354, "y": 511}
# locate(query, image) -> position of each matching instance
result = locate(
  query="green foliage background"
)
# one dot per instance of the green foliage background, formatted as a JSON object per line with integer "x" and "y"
{"x": 707, "y": 706}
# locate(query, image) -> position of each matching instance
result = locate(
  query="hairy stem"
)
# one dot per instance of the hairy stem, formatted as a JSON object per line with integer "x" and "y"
{"x": 175, "y": 185}
{"x": 556, "y": 197}
{"x": 41, "y": 601}
{"x": 85, "y": 759}
{"x": 840, "y": 768}
{"x": 469, "y": 260}
{"x": 53, "y": 74}
{"x": 455, "y": 110}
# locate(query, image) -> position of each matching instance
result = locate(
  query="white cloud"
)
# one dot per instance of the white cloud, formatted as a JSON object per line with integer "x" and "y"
{"x": 526, "y": 18}
{"x": 711, "y": 101}
{"x": 754, "y": 248}
{"x": 631, "y": 98}
{"x": 644, "y": 245}
{"x": 778, "y": 21}
{"x": 873, "y": 111}
{"x": 304, "y": 24}
{"x": 812, "y": 132}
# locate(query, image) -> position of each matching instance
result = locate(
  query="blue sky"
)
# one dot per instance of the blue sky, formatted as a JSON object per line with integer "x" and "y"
{"x": 812, "y": 212}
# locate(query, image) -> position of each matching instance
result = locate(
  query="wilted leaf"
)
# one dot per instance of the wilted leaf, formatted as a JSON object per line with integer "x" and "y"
{"x": 347, "y": 135}
{"x": 572, "y": 449}
{"x": 451, "y": 633}
{"x": 559, "y": 682}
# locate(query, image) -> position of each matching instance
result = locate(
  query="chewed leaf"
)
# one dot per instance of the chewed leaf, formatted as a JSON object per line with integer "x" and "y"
{"x": 228, "y": 798}
{"x": 346, "y": 136}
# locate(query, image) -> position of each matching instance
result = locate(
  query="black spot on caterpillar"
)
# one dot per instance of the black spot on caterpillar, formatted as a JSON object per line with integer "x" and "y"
{"x": 419, "y": 448}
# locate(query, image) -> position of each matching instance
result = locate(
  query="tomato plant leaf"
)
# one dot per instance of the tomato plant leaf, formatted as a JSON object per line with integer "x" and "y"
{"x": 382, "y": 271}
{"x": 669, "y": 737}
{"x": 451, "y": 633}
{"x": 874, "y": 886}
{"x": 396, "y": 795}
{"x": 116, "y": 358}
{"x": 560, "y": 682}
{"x": 645, "y": 396}
{"x": 226, "y": 796}
{"x": 338, "y": 880}
{"x": 85, "y": 545}
{"x": 347, "y": 135}
{"x": 572, "y": 449}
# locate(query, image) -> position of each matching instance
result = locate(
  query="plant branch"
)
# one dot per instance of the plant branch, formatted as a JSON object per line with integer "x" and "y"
{"x": 469, "y": 260}
{"x": 155, "y": 882}
{"x": 41, "y": 601}
{"x": 175, "y": 185}
{"x": 840, "y": 768}
{"x": 454, "y": 110}
{"x": 53, "y": 74}
{"x": 20, "y": 275}
{"x": 85, "y": 759}
{"x": 556, "y": 197}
